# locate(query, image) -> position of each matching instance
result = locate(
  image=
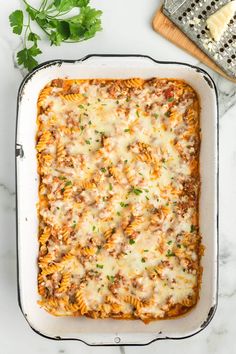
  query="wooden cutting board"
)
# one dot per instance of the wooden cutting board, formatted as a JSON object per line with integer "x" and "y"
{"x": 162, "y": 25}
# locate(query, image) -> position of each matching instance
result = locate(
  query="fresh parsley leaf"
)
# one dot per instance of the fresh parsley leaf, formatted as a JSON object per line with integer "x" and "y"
{"x": 16, "y": 19}
{"x": 67, "y": 5}
{"x": 123, "y": 205}
{"x": 126, "y": 130}
{"x": 143, "y": 260}
{"x": 26, "y": 56}
{"x": 33, "y": 37}
{"x": 131, "y": 242}
{"x": 103, "y": 169}
{"x": 110, "y": 186}
{"x": 88, "y": 142}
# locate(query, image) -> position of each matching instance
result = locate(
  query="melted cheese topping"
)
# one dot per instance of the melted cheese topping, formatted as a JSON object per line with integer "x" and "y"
{"x": 118, "y": 198}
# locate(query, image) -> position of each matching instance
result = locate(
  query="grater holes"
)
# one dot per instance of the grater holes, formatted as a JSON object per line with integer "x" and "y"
{"x": 192, "y": 5}
{"x": 213, "y": 3}
{"x": 229, "y": 61}
{"x": 208, "y": 8}
{"x": 180, "y": 18}
{"x": 184, "y": 14}
{"x": 221, "y": 50}
{"x": 233, "y": 56}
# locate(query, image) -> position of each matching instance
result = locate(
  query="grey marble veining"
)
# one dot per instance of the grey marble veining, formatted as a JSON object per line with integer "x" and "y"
{"x": 15, "y": 334}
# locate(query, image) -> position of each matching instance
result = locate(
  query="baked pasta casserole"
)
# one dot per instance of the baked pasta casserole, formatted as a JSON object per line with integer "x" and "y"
{"x": 118, "y": 165}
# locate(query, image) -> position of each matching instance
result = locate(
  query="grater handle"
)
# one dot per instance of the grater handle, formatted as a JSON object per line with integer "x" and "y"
{"x": 173, "y": 5}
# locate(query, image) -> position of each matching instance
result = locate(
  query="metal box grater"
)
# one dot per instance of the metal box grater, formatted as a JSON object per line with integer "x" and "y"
{"x": 191, "y": 15}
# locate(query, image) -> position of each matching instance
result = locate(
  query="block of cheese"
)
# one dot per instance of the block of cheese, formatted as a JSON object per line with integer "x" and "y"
{"x": 218, "y": 22}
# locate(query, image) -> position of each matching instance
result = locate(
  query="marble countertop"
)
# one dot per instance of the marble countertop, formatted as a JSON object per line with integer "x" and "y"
{"x": 127, "y": 29}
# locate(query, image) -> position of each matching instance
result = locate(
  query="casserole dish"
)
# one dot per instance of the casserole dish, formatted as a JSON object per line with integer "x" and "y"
{"x": 113, "y": 332}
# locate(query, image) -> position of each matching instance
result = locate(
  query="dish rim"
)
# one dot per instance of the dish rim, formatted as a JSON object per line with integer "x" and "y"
{"x": 19, "y": 153}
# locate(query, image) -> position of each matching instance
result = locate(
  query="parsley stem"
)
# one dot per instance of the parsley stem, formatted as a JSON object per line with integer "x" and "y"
{"x": 43, "y": 5}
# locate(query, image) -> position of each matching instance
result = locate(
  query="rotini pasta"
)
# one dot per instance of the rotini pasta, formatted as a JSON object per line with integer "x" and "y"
{"x": 118, "y": 162}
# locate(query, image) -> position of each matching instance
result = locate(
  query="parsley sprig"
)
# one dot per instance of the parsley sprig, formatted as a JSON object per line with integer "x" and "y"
{"x": 54, "y": 19}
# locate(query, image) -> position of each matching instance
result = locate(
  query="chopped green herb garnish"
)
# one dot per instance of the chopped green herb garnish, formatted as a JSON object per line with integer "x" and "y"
{"x": 117, "y": 102}
{"x": 62, "y": 178}
{"x": 123, "y": 205}
{"x": 127, "y": 130}
{"x": 82, "y": 127}
{"x": 170, "y": 254}
{"x": 125, "y": 161}
{"x": 111, "y": 278}
{"x": 137, "y": 113}
{"x": 58, "y": 208}
{"x": 88, "y": 142}
{"x": 103, "y": 169}
{"x": 127, "y": 99}
{"x": 110, "y": 186}
{"x": 171, "y": 99}
{"x": 118, "y": 213}
{"x": 146, "y": 190}
{"x": 167, "y": 114}
{"x": 68, "y": 183}
{"x": 147, "y": 197}
{"x": 90, "y": 122}
{"x": 169, "y": 242}
{"x": 99, "y": 266}
{"x": 193, "y": 228}
{"x": 156, "y": 115}
{"x": 143, "y": 260}
{"x": 137, "y": 191}
{"x": 96, "y": 131}
{"x": 81, "y": 106}
{"x": 74, "y": 225}
{"x": 94, "y": 228}
{"x": 63, "y": 190}
{"x": 145, "y": 250}
{"x": 179, "y": 246}
{"x": 131, "y": 242}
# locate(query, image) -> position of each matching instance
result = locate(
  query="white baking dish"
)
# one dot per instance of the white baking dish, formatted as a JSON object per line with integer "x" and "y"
{"x": 113, "y": 332}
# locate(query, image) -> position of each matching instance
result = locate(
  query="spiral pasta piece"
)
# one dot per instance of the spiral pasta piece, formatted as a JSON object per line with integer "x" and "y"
{"x": 80, "y": 301}
{"x": 45, "y": 235}
{"x": 43, "y": 141}
{"x": 73, "y": 97}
